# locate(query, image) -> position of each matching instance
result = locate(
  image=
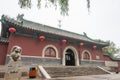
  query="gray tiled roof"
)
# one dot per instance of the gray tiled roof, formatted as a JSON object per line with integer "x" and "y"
{"x": 3, "y": 40}
{"x": 44, "y": 28}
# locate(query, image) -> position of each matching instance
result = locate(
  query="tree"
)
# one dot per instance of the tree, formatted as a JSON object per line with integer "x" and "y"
{"x": 111, "y": 49}
{"x": 61, "y": 4}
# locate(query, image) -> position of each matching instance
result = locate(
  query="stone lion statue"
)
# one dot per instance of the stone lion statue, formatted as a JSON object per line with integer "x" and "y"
{"x": 15, "y": 54}
{"x": 15, "y": 59}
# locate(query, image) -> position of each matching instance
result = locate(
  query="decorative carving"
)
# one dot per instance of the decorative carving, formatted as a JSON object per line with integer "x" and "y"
{"x": 84, "y": 33}
{"x": 20, "y": 17}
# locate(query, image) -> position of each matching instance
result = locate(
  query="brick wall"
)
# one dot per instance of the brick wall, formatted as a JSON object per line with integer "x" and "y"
{"x": 93, "y": 63}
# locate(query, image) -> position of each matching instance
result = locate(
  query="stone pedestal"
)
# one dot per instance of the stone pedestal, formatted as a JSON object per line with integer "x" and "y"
{"x": 13, "y": 71}
{"x": 13, "y": 66}
{"x": 12, "y": 76}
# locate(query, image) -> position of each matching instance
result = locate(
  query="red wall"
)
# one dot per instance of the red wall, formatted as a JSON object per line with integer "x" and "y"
{"x": 93, "y": 52}
{"x": 30, "y": 46}
{"x": 107, "y": 58}
{"x": 33, "y": 46}
{"x": 118, "y": 64}
{"x": 3, "y": 53}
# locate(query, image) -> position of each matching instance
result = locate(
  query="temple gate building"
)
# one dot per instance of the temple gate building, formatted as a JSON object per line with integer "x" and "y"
{"x": 46, "y": 45}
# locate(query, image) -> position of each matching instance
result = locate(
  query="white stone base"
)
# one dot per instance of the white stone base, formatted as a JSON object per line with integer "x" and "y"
{"x": 12, "y": 76}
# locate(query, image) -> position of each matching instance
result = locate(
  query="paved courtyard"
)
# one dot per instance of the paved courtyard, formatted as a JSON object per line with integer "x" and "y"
{"x": 90, "y": 77}
{"x": 93, "y": 77}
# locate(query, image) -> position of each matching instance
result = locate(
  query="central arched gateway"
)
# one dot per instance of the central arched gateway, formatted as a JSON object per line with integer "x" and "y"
{"x": 70, "y": 56}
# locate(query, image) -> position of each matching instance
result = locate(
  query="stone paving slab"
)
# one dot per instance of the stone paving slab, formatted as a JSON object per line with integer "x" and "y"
{"x": 90, "y": 77}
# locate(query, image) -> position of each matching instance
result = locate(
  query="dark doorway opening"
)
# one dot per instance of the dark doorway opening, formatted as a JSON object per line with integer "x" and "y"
{"x": 70, "y": 58}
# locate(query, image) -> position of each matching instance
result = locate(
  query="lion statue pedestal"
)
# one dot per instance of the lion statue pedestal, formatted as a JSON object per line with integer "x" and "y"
{"x": 14, "y": 64}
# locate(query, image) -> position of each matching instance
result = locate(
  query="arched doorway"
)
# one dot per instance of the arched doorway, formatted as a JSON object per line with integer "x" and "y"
{"x": 70, "y": 51}
{"x": 69, "y": 58}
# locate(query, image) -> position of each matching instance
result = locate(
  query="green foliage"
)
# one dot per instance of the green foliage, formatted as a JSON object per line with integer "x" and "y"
{"x": 64, "y": 6}
{"x": 61, "y": 4}
{"x": 111, "y": 49}
{"x": 25, "y": 3}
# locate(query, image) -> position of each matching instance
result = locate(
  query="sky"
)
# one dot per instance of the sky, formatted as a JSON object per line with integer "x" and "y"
{"x": 102, "y": 22}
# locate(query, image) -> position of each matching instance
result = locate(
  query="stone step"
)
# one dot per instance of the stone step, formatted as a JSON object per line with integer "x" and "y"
{"x": 66, "y": 71}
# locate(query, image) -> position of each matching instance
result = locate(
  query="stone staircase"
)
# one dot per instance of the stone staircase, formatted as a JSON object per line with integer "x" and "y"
{"x": 62, "y": 71}
{"x": 66, "y": 71}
